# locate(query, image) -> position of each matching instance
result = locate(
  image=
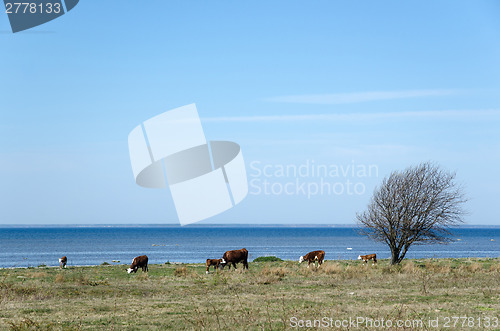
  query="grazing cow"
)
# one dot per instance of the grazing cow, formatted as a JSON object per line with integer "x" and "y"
{"x": 313, "y": 257}
{"x": 365, "y": 258}
{"x": 62, "y": 261}
{"x": 139, "y": 262}
{"x": 213, "y": 262}
{"x": 233, "y": 257}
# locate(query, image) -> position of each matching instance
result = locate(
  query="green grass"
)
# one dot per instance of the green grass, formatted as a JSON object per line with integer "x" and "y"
{"x": 268, "y": 259}
{"x": 267, "y": 296}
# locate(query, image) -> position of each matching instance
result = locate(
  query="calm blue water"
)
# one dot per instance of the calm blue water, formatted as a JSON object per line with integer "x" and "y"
{"x": 25, "y": 246}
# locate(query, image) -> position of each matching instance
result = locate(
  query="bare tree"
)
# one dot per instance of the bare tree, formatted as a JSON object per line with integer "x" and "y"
{"x": 415, "y": 206}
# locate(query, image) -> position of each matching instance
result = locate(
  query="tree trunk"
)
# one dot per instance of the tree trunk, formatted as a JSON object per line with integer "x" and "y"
{"x": 395, "y": 256}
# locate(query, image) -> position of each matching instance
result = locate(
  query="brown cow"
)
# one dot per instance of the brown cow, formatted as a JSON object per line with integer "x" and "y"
{"x": 213, "y": 262}
{"x": 62, "y": 261}
{"x": 139, "y": 262}
{"x": 313, "y": 257}
{"x": 365, "y": 258}
{"x": 235, "y": 256}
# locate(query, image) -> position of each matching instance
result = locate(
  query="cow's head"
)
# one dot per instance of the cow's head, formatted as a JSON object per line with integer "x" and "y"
{"x": 130, "y": 270}
{"x": 223, "y": 261}
{"x": 359, "y": 257}
{"x": 301, "y": 259}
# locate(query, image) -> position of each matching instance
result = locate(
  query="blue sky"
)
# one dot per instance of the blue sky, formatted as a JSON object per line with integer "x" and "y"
{"x": 332, "y": 83}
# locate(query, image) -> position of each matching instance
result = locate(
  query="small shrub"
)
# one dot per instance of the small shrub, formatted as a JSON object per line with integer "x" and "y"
{"x": 38, "y": 274}
{"x": 105, "y": 263}
{"x": 307, "y": 271}
{"x": 475, "y": 267}
{"x": 181, "y": 272}
{"x": 25, "y": 324}
{"x": 331, "y": 268}
{"x": 25, "y": 291}
{"x": 268, "y": 259}
{"x": 219, "y": 279}
{"x": 266, "y": 280}
{"x": 144, "y": 276}
{"x": 409, "y": 267}
{"x": 495, "y": 267}
{"x": 60, "y": 278}
{"x": 271, "y": 275}
{"x": 42, "y": 266}
{"x": 394, "y": 269}
{"x": 280, "y": 272}
{"x": 444, "y": 269}
{"x": 84, "y": 280}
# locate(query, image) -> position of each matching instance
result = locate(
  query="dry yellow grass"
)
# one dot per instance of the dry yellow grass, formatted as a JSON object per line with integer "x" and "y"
{"x": 60, "y": 278}
{"x": 331, "y": 268}
{"x": 181, "y": 272}
{"x": 265, "y": 297}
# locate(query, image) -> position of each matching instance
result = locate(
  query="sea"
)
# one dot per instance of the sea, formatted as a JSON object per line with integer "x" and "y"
{"x": 33, "y": 246}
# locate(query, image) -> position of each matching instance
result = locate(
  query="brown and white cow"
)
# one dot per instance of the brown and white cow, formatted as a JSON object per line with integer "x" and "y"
{"x": 365, "y": 258}
{"x": 313, "y": 257}
{"x": 139, "y": 262}
{"x": 213, "y": 262}
{"x": 235, "y": 256}
{"x": 62, "y": 261}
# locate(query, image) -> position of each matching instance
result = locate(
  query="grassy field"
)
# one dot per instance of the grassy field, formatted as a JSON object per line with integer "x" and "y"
{"x": 270, "y": 296}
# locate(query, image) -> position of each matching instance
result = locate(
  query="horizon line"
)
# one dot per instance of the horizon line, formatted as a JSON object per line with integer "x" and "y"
{"x": 218, "y": 224}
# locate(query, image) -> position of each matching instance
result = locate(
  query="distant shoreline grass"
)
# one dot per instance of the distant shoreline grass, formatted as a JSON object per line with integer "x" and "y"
{"x": 267, "y": 296}
{"x": 259, "y": 259}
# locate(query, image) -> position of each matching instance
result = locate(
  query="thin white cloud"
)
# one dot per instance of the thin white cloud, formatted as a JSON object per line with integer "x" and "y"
{"x": 446, "y": 114}
{"x": 357, "y": 97}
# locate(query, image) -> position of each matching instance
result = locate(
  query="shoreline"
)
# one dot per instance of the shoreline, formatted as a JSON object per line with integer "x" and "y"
{"x": 217, "y": 225}
{"x": 191, "y": 264}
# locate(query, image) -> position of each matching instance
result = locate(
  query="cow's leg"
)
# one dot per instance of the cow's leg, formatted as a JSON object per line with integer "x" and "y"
{"x": 308, "y": 263}
{"x": 208, "y": 267}
{"x": 245, "y": 265}
{"x": 234, "y": 265}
